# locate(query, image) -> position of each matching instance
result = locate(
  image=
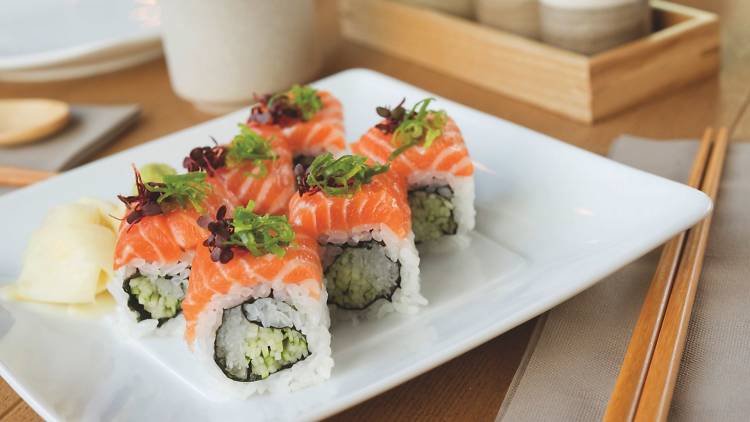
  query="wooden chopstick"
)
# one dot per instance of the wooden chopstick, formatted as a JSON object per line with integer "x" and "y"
{"x": 644, "y": 387}
{"x": 624, "y": 400}
{"x": 17, "y": 176}
{"x": 665, "y": 363}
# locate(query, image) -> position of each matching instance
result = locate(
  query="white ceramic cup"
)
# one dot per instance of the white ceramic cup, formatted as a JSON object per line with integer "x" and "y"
{"x": 462, "y": 8}
{"x": 520, "y": 17}
{"x": 593, "y": 26}
{"x": 222, "y": 52}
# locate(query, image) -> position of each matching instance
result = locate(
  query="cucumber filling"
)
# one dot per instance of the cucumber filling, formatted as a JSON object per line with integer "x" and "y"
{"x": 159, "y": 298}
{"x": 360, "y": 274}
{"x": 432, "y": 213}
{"x": 247, "y": 351}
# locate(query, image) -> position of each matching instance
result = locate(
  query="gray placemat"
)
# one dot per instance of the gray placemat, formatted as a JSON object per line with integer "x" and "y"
{"x": 90, "y": 128}
{"x": 571, "y": 365}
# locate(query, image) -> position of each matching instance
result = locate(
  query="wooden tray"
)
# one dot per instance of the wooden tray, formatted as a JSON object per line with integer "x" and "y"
{"x": 585, "y": 88}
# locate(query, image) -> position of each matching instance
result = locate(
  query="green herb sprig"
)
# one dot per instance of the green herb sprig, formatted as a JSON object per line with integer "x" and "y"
{"x": 249, "y": 145}
{"x": 303, "y": 98}
{"x": 420, "y": 125}
{"x": 260, "y": 234}
{"x": 182, "y": 189}
{"x": 307, "y": 99}
{"x": 339, "y": 177}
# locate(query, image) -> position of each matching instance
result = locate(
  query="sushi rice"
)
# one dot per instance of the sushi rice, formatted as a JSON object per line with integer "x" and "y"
{"x": 275, "y": 336}
{"x": 149, "y": 296}
{"x": 372, "y": 271}
{"x": 459, "y": 195}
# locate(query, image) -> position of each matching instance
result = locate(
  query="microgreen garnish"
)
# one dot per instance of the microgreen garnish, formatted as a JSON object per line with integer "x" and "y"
{"x": 176, "y": 190}
{"x": 342, "y": 176}
{"x": 258, "y": 234}
{"x": 306, "y": 99}
{"x": 301, "y": 102}
{"x": 143, "y": 203}
{"x": 183, "y": 189}
{"x": 419, "y": 125}
{"x": 207, "y": 159}
{"x": 249, "y": 145}
{"x": 393, "y": 117}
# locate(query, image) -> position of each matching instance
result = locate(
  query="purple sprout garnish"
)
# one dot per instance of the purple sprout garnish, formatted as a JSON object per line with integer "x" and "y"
{"x": 175, "y": 191}
{"x": 300, "y": 103}
{"x": 143, "y": 204}
{"x": 257, "y": 234}
{"x": 393, "y": 117}
{"x": 221, "y": 230}
{"x": 208, "y": 159}
{"x": 300, "y": 173}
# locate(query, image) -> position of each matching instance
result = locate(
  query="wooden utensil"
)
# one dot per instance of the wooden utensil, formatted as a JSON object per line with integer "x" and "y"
{"x": 665, "y": 363}
{"x": 28, "y": 120}
{"x": 18, "y": 177}
{"x": 623, "y": 403}
{"x": 643, "y": 389}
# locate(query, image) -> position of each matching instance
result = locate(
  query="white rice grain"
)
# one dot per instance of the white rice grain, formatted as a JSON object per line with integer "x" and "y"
{"x": 463, "y": 207}
{"x": 407, "y": 298}
{"x": 126, "y": 320}
{"x": 310, "y": 318}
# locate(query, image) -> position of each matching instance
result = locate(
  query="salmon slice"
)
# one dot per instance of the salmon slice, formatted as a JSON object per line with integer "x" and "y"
{"x": 447, "y": 154}
{"x": 271, "y": 193}
{"x": 382, "y": 201}
{"x": 218, "y": 196}
{"x": 164, "y": 238}
{"x": 150, "y": 239}
{"x": 300, "y": 264}
{"x": 323, "y": 133}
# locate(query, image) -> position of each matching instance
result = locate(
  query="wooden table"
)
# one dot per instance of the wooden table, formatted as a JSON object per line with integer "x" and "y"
{"x": 471, "y": 386}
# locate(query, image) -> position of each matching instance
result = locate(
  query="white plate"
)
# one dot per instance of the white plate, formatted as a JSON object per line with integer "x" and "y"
{"x": 104, "y": 61}
{"x": 552, "y": 220}
{"x": 46, "y": 34}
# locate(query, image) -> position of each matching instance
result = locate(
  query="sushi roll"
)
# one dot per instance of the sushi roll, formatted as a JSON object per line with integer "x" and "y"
{"x": 255, "y": 166}
{"x": 256, "y": 308}
{"x": 311, "y": 120}
{"x": 155, "y": 247}
{"x": 426, "y": 148}
{"x": 360, "y": 216}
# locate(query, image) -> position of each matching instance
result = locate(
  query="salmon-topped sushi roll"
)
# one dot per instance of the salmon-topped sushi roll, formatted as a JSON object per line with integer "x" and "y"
{"x": 360, "y": 216}
{"x": 256, "y": 308}
{"x": 426, "y": 148}
{"x": 255, "y": 166}
{"x": 312, "y": 121}
{"x": 155, "y": 247}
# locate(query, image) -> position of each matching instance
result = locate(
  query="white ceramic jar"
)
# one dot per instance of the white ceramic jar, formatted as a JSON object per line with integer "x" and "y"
{"x": 593, "y": 26}
{"x": 520, "y": 17}
{"x": 222, "y": 52}
{"x": 462, "y": 8}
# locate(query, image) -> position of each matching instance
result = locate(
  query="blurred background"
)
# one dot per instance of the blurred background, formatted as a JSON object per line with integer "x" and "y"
{"x": 574, "y": 69}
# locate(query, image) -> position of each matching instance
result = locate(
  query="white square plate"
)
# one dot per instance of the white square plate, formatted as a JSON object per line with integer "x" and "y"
{"x": 552, "y": 220}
